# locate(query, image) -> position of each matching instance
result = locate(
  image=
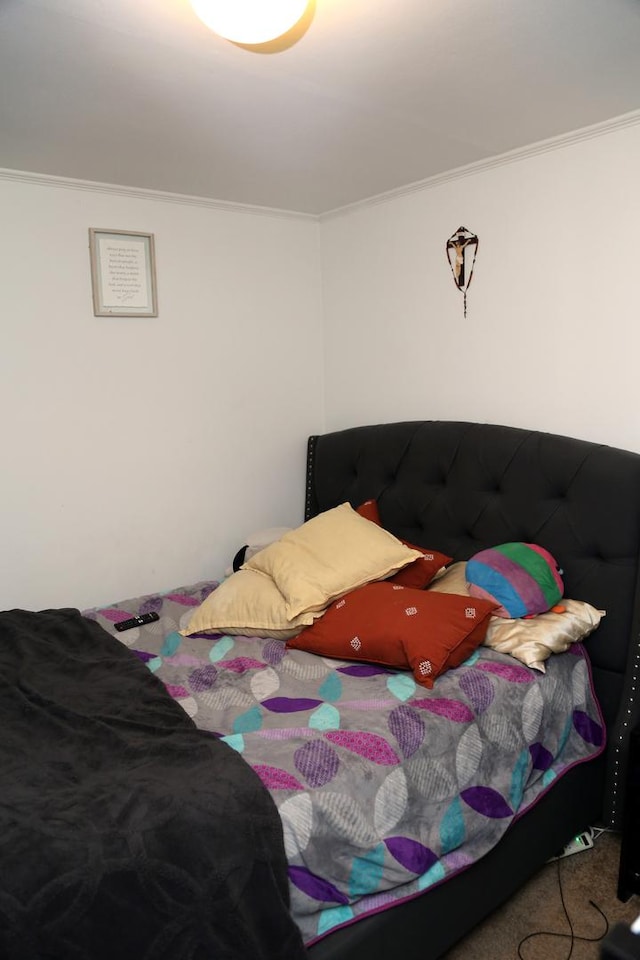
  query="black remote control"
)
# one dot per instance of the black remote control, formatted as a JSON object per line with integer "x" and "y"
{"x": 136, "y": 621}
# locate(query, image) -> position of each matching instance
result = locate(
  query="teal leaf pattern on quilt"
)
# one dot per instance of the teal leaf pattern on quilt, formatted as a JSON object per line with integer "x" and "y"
{"x": 334, "y": 917}
{"x": 236, "y": 741}
{"x": 248, "y": 722}
{"x": 452, "y": 828}
{"x": 519, "y": 778}
{"x": 220, "y": 649}
{"x": 325, "y": 717}
{"x": 434, "y": 874}
{"x": 366, "y": 872}
{"x": 171, "y": 644}
{"x": 331, "y": 688}
{"x": 402, "y": 686}
{"x": 472, "y": 660}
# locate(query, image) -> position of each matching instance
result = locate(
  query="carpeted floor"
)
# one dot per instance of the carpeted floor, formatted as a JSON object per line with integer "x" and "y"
{"x": 590, "y": 875}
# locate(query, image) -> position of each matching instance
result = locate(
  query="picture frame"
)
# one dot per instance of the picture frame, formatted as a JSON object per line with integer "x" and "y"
{"x": 123, "y": 273}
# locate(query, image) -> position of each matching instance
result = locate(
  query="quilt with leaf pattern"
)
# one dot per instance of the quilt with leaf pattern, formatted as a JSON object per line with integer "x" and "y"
{"x": 384, "y": 788}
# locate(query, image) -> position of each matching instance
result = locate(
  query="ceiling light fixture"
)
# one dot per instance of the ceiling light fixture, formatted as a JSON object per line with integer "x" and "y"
{"x": 250, "y": 21}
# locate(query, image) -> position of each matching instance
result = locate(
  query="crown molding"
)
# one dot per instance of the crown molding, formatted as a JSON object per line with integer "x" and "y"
{"x": 471, "y": 169}
{"x": 139, "y": 193}
{"x": 479, "y": 166}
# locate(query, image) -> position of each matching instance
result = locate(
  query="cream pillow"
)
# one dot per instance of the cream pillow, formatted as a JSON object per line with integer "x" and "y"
{"x": 534, "y": 639}
{"x": 249, "y": 604}
{"x": 451, "y": 580}
{"x": 328, "y": 556}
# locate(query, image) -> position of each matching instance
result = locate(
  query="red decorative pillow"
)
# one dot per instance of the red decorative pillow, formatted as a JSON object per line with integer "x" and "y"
{"x": 421, "y": 572}
{"x": 369, "y": 510}
{"x": 459, "y": 625}
{"x": 418, "y": 574}
{"x": 399, "y": 627}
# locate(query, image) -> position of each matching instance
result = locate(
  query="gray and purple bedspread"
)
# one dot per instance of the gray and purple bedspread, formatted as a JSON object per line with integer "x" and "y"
{"x": 384, "y": 788}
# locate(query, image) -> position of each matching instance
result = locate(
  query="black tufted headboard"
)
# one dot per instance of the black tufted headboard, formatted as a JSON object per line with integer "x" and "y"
{"x": 459, "y": 487}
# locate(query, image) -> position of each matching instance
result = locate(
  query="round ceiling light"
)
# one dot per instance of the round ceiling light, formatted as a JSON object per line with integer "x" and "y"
{"x": 250, "y": 21}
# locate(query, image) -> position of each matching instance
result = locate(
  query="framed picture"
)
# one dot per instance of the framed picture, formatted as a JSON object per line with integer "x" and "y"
{"x": 123, "y": 273}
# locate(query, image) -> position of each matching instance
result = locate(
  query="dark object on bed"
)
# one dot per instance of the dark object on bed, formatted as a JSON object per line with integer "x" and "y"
{"x": 125, "y": 831}
{"x": 459, "y": 488}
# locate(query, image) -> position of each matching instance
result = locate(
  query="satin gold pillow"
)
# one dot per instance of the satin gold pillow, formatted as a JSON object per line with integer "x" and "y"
{"x": 328, "y": 556}
{"x": 534, "y": 639}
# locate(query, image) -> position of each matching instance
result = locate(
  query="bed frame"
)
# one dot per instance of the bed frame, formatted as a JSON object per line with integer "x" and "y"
{"x": 460, "y": 487}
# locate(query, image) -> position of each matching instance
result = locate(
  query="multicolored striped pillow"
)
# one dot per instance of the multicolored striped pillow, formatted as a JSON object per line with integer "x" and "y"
{"x": 523, "y": 578}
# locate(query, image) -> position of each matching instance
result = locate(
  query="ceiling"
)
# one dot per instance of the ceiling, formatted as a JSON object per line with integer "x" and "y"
{"x": 365, "y": 97}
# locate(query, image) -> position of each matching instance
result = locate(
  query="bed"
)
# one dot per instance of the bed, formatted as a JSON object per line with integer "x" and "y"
{"x": 392, "y": 815}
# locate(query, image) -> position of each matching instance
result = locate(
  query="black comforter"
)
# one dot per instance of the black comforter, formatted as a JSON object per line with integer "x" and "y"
{"x": 125, "y": 832}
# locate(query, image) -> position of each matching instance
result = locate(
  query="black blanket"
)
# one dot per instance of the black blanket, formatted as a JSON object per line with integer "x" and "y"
{"x": 125, "y": 832}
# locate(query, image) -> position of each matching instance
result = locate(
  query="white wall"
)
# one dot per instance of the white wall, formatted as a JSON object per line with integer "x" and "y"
{"x": 136, "y": 452}
{"x": 552, "y": 336}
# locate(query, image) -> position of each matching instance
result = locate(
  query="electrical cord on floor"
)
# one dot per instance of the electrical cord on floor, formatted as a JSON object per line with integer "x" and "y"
{"x": 572, "y": 936}
{"x": 598, "y": 831}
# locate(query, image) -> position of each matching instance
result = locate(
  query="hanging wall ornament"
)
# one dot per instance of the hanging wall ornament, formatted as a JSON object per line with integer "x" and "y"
{"x": 462, "y": 248}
